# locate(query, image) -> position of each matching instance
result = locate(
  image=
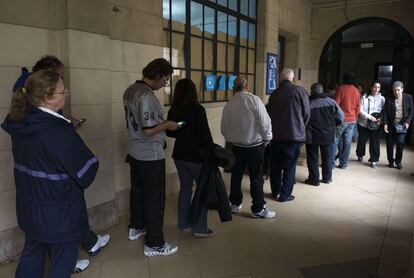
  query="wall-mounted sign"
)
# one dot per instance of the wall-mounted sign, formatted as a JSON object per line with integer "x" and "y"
{"x": 367, "y": 45}
{"x": 231, "y": 81}
{"x": 213, "y": 82}
{"x": 271, "y": 73}
{"x": 222, "y": 83}
{"x": 210, "y": 82}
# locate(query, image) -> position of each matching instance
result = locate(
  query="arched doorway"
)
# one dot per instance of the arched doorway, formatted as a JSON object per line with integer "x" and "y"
{"x": 374, "y": 48}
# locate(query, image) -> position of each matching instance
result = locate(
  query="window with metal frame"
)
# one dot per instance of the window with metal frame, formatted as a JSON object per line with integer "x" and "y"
{"x": 210, "y": 42}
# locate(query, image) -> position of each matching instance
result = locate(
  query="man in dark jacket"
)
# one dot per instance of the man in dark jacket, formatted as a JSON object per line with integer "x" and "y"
{"x": 320, "y": 134}
{"x": 289, "y": 111}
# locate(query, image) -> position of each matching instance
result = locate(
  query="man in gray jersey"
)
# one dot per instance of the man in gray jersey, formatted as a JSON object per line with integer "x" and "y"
{"x": 146, "y": 129}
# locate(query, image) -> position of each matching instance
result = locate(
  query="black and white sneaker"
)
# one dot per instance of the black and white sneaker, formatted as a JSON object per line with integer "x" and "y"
{"x": 264, "y": 213}
{"x": 102, "y": 241}
{"x": 80, "y": 266}
{"x": 165, "y": 250}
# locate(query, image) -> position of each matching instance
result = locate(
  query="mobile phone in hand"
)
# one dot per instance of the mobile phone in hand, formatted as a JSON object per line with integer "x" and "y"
{"x": 80, "y": 121}
{"x": 181, "y": 124}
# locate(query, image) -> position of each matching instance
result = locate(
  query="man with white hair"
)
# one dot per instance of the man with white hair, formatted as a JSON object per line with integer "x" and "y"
{"x": 289, "y": 111}
{"x": 247, "y": 126}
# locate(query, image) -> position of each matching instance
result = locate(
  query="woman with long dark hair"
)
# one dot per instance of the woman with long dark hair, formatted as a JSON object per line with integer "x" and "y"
{"x": 193, "y": 137}
{"x": 398, "y": 114}
{"x": 369, "y": 124}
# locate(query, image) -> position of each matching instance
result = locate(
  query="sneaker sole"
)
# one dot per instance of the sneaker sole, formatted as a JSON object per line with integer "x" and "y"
{"x": 153, "y": 253}
{"x": 261, "y": 217}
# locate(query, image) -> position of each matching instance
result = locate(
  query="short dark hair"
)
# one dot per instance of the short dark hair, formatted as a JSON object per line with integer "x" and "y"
{"x": 157, "y": 68}
{"x": 316, "y": 88}
{"x": 48, "y": 62}
{"x": 349, "y": 77}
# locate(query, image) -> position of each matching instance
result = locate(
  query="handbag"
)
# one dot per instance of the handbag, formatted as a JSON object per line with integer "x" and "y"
{"x": 400, "y": 128}
{"x": 373, "y": 125}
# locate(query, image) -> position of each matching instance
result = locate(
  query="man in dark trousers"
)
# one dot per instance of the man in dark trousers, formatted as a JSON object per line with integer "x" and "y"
{"x": 144, "y": 116}
{"x": 320, "y": 134}
{"x": 289, "y": 111}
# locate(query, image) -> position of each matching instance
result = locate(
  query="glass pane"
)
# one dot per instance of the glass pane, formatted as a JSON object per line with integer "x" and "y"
{"x": 198, "y": 81}
{"x": 252, "y": 8}
{"x": 221, "y": 56}
{"x": 196, "y": 53}
{"x": 196, "y": 18}
{"x": 233, "y": 5}
{"x": 208, "y": 55}
{"x": 252, "y": 35}
{"x": 229, "y": 94}
{"x": 178, "y": 11}
{"x": 232, "y": 29}
{"x": 243, "y": 60}
{"x": 230, "y": 58}
{"x": 243, "y": 32}
{"x": 221, "y": 26}
{"x": 222, "y": 2}
{"x": 166, "y": 9}
{"x": 250, "y": 84}
{"x": 178, "y": 50}
{"x": 177, "y": 75}
{"x": 208, "y": 95}
{"x": 209, "y": 27}
{"x": 251, "y": 61}
{"x": 244, "y": 7}
{"x": 368, "y": 32}
{"x": 214, "y": 1}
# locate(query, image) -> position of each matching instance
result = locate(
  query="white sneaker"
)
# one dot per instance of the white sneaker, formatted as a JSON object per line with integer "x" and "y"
{"x": 80, "y": 266}
{"x": 264, "y": 213}
{"x": 165, "y": 250}
{"x": 100, "y": 243}
{"x": 134, "y": 234}
{"x": 236, "y": 209}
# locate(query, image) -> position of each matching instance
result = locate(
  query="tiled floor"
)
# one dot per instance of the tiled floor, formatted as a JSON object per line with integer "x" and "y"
{"x": 359, "y": 226}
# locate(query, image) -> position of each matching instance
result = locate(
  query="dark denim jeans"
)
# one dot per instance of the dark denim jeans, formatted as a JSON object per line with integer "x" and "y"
{"x": 187, "y": 173}
{"x": 344, "y": 131}
{"x": 394, "y": 138}
{"x": 253, "y": 158}
{"x": 283, "y": 168}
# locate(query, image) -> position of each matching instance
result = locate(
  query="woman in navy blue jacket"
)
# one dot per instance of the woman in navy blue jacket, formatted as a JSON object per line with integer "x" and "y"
{"x": 52, "y": 168}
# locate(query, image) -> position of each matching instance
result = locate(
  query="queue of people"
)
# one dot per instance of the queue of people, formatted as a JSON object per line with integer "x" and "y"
{"x": 53, "y": 166}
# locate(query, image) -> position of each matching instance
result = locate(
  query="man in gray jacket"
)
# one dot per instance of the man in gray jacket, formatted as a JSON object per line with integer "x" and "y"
{"x": 289, "y": 110}
{"x": 246, "y": 124}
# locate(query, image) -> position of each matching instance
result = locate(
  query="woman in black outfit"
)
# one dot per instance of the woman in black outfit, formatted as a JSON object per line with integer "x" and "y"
{"x": 193, "y": 136}
{"x": 398, "y": 113}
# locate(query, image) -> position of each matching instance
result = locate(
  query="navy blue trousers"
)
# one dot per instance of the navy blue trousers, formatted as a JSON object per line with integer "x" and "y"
{"x": 32, "y": 261}
{"x": 89, "y": 240}
{"x": 283, "y": 168}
